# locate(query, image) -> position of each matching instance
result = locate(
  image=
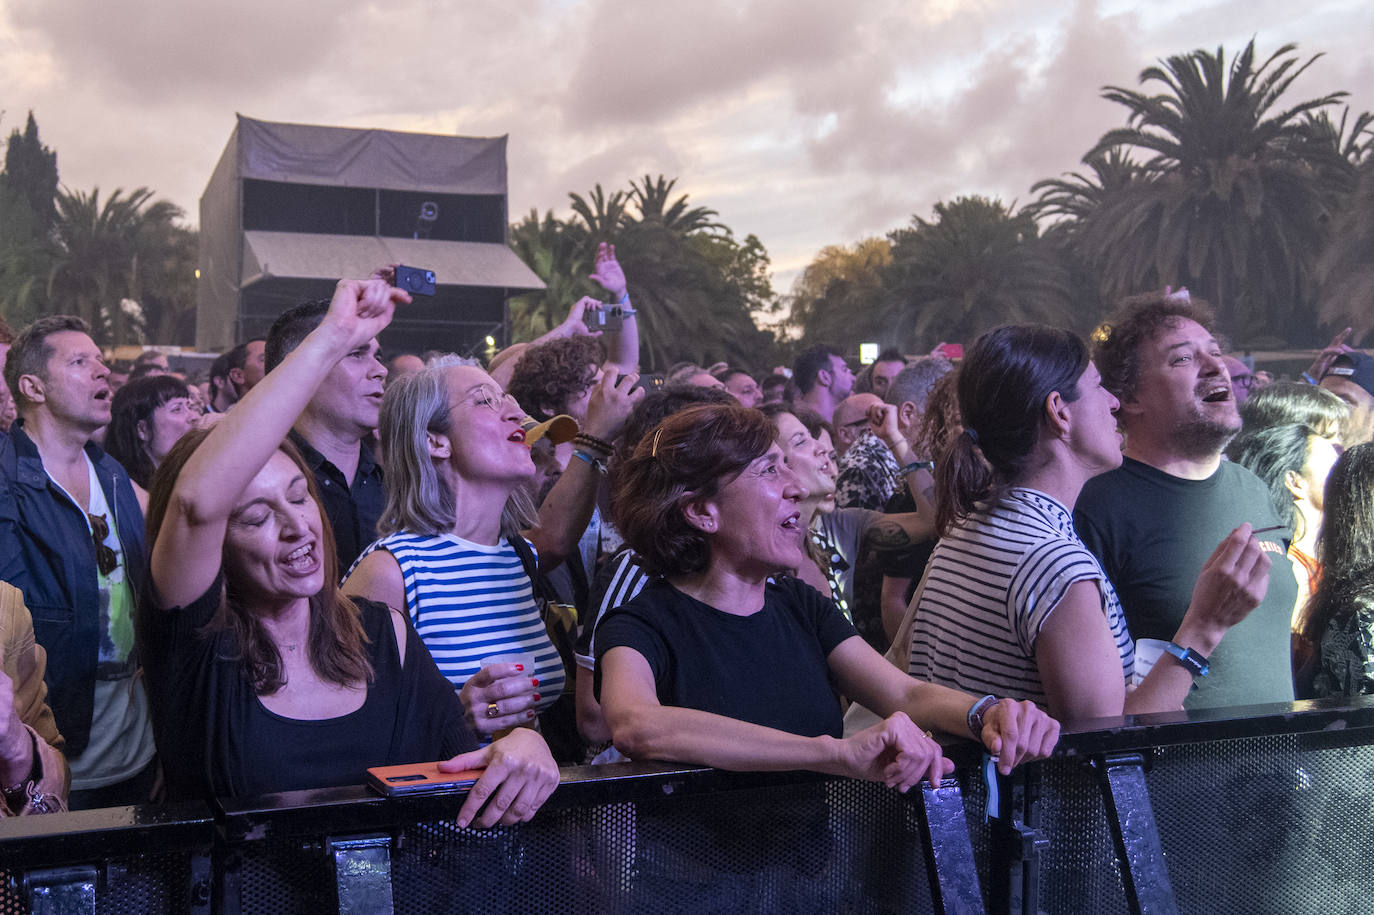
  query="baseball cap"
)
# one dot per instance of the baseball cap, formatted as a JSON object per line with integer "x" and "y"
{"x": 1355, "y": 367}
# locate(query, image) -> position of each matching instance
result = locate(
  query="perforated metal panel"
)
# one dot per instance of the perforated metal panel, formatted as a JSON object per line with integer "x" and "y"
{"x": 132, "y": 885}
{"x": 819, "y": 847}
{"x": 1280, "y": 824}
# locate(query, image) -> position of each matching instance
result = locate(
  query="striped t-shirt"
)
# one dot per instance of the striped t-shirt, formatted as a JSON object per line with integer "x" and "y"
{"x": 992, "y": 583}
{"x": 469, "y": 601}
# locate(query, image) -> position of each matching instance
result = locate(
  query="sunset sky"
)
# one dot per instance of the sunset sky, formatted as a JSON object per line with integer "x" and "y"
{"x": 805, "y": 123}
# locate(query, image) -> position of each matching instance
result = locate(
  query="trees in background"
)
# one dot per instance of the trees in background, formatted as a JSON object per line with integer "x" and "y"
{"x": 127, "y": 264}
{"x": 696, "y": 287}
{"x": 1235, "y": 198}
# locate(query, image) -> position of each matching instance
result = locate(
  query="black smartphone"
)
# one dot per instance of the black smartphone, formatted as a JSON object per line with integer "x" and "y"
{"x": 611, "y": 317}
{"x": 415, "y": 280}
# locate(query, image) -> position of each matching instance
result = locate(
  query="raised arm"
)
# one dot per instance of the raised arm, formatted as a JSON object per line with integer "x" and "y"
{"x": 1077, "y": 656}
{"x": 623, "y": 347}
{"x": 186, "y": 556}
{"x": 567, "y": 509}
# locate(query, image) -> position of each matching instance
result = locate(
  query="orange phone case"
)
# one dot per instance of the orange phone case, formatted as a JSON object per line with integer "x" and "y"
{"x": 419, "y": 778}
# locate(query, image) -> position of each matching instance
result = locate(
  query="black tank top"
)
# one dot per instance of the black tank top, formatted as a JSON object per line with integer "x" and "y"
{"x": 332, "y": 751}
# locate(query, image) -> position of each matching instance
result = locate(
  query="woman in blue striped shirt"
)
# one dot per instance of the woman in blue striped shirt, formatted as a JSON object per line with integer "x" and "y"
{"x": 458, "y": 473}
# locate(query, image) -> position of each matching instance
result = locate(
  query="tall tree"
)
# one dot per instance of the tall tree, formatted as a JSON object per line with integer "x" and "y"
{"x": 651, "y": 199}
{"x": 1346, "y": 268}
{"x": 602, "y": 215}
{"x": 27, "y": 250}
{"x": 1234, "y": 201}
{"x": 975, "y": 266}
{"x": 31, "y": 172}
{"x": 558, "y": 254}
{"x": 837, "y": 299}
{"x": 113, "y": 252}
{"x": 1070, "y": 200}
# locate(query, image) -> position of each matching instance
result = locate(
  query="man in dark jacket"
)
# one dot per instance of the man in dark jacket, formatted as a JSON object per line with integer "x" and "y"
{"x": 71, "y": 539}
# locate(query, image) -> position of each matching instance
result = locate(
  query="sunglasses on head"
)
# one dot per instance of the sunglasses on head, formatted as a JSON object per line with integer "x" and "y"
{"x": 105, "y": 558}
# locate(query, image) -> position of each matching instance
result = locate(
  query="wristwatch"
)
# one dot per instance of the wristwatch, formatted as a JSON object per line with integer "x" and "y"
{"x": 978, "y": 713}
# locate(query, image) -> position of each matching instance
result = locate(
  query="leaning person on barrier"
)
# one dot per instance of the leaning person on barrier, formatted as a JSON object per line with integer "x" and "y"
{"x": 1013, "y": 602}
{"x": 715, "y": 665}
{"x": 33, "y": 772}
{"x": 264, "y": 677}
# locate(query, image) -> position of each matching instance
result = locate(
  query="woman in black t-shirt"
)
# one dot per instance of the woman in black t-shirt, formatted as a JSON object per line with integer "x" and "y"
{"x": 263, "y": 675}
{"x": 716, "y": 666}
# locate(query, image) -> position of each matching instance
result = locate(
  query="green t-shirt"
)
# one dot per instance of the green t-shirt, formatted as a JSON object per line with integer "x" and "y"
{"x": 1153, "y": 531}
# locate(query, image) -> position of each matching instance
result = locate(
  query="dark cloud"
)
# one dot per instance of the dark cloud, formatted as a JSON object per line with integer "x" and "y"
{"x": 808, "y": 123}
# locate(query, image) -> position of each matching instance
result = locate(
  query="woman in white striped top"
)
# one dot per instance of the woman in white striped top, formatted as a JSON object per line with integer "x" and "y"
{"x": 1013, "y": 602}
{"x": 458, "y": 508}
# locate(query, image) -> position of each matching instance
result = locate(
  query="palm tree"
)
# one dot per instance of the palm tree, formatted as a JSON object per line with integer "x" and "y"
{"x": 557, "y": 253}
{"x": 651, "y": 198}
{"x": 602, "y": 215}
{"x": 976, "y": 265}
{"x": 1346, "y": 269}
{"x": 1234, "y": 201}
{"x": 110, "y": 252}
{"x": 1071, "y": 200}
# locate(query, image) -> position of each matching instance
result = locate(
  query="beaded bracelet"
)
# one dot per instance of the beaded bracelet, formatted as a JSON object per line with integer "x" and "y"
{"x": 592, "y": 442}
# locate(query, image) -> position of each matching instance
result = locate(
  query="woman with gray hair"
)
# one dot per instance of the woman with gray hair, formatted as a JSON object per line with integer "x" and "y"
{"x": 458, "y": 475}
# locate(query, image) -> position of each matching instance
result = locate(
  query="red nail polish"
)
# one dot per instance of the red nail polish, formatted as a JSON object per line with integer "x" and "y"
{"x": 520, "y": 667}
{"x": 529, "y": 714}
{"x": 534, "y": 682}
{"x": 536, "y": 697}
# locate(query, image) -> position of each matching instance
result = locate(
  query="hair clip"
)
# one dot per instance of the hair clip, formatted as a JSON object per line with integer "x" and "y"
{"x": 653, "y": 451}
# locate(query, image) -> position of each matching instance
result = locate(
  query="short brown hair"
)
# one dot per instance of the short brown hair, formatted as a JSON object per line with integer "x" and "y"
{"x": 31, "y": 351}
{"x": 336, "y": 640}
{"x": 690, "y": 455}
{"x": 1139, "y": 319}
{"x": 548, "y": 375}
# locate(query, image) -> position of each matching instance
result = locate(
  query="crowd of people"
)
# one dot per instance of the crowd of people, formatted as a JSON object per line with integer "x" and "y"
{"x": 318, "y": 562}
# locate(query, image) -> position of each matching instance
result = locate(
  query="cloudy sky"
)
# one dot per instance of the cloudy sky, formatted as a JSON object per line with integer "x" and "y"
{"x": 806, "y": 123}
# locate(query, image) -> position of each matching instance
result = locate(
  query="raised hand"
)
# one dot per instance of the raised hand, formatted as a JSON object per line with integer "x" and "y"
{"x": 519, "y": 776}
{"x": 512, "y": 691}
{"x": 1017, "y": 731}
{"x": 360, "y": 310}
{"x": 608, "y": 273}
{"x": 1233, "y": 581}
{"x": 611, "y": 402}
{"x": 1337, "y": 347}
{"x": 575, "y": 324}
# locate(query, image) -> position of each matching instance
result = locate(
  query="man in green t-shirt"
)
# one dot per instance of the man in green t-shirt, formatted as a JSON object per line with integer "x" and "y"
{"x": 1154, "y": 521}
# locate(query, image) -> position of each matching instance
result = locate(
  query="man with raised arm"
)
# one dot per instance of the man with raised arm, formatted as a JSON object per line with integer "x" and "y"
{"x": 1154, "y": 521}
{"x": 71, "y": 540}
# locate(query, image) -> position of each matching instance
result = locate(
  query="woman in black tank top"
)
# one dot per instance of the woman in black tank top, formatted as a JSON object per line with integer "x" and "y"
{"x": 263, "y": 675}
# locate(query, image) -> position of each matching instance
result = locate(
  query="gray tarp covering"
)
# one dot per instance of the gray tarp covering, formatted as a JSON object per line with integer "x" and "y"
{"x": 348, "y": 157}
{"x": 457, "y": 263}
{"x": 339, "y": 157}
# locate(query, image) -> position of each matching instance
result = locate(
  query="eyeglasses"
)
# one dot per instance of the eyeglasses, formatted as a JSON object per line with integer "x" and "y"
{"x": 493, "y": 398}
{"x": 105, "y": 558}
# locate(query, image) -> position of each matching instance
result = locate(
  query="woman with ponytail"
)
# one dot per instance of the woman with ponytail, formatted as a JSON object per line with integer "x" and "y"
{"x": 1013, "y": 602}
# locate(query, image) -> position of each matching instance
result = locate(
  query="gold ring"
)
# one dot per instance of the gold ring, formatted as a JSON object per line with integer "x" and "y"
{"x": 492, "y": 710}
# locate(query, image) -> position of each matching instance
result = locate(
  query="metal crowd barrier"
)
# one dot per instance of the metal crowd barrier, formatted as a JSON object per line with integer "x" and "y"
{"x": 1267, "y": 809}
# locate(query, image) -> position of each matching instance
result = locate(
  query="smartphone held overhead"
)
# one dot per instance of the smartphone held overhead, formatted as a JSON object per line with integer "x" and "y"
{"x": 415, "y": 280}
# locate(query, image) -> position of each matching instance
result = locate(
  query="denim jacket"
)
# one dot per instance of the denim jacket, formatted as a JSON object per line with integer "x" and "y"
{"x": 46, "y": 551}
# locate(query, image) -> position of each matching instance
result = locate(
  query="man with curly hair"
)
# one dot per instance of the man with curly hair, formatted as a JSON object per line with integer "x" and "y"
{"x": 1155, "y": 520}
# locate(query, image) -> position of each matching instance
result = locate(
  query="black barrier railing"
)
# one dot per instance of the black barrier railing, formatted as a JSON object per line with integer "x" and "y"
{"x": 1267, "y": 811}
